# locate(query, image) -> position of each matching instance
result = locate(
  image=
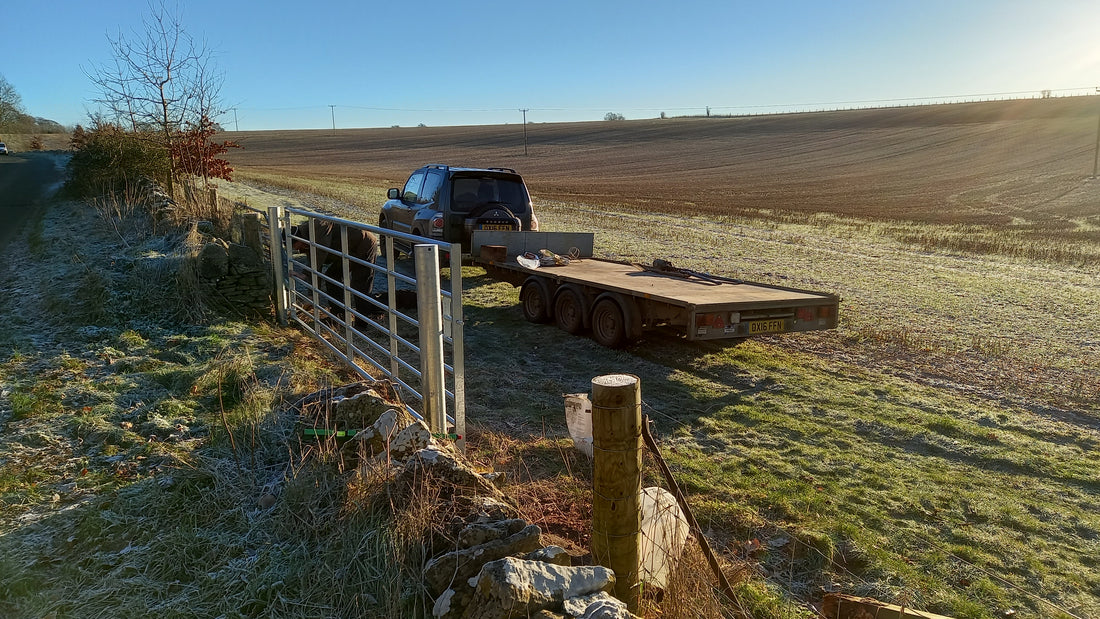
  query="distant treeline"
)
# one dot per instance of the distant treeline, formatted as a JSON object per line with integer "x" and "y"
{"x": 25, "y": 123}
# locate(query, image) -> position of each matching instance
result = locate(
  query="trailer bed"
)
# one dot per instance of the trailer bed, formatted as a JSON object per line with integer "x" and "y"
{"x": 617, "y": 301}
{"x": 634, "y": 280}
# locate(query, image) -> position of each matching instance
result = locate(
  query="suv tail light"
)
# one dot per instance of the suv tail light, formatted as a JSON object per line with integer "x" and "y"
{"x": 534, "y": 223}
{"x": 437, "y": 225}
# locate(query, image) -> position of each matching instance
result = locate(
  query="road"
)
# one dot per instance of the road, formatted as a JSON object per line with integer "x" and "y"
{"x": 26, "y": 181}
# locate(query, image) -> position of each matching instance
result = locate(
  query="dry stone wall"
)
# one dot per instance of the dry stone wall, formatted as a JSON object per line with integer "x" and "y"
{"x": 496, "y": 565}
{"x": 234, "y": 275}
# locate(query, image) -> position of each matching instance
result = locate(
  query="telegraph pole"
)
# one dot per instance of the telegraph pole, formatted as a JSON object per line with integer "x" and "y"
{"x": 332, "y": 108}
{"x": 236, "y": 127}
{"x": 524, "y": 110}
{"x": 1096, "y": 155}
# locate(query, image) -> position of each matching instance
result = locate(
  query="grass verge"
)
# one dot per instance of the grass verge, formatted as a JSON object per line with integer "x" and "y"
{"x": 146, "y": 465}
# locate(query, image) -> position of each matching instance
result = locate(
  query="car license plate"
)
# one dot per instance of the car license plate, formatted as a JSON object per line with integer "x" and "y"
{"x": 494, "y": 227}
{"x": 767, "y": 326}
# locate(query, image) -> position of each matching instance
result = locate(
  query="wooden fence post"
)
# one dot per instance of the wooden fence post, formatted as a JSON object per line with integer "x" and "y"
{"x": 617, "y": 480}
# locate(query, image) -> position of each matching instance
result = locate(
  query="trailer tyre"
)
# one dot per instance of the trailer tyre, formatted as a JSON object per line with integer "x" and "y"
{"x": 534, "y": 298}
{"x": 569, "y": 310}
{"x": 609, "y": 326}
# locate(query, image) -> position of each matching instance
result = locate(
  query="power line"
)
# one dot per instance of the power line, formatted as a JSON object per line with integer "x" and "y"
{"x": 678, "y": 108}
{"x": 726, "y": 110}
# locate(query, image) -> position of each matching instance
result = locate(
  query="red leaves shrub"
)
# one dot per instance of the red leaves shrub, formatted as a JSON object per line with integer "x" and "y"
{"x": 195, "y": 154}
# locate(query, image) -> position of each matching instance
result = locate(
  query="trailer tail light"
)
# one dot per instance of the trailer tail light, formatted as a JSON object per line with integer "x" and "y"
{"x": 805, "y": 314}
{"x": 826, "y": 311}
{"x": 717, "y": 321}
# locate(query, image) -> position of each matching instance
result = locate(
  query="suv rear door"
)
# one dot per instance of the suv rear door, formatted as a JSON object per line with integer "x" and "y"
{"x": 487, "y": 200}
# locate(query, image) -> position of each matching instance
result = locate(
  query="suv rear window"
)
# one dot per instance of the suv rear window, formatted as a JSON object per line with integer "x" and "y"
{"x": 469, "y": 192}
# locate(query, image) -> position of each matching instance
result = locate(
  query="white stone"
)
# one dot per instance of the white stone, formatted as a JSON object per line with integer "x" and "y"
{"x": 443, "y": 603}
{"x": 599, "y": 605}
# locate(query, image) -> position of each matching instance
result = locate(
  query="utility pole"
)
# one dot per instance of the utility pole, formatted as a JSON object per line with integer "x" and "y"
{"x": 236, "y": 127}
{"x": 1096, "y": 155}
{"x": 524, "y": 110}
{"x": 332, "y": 108}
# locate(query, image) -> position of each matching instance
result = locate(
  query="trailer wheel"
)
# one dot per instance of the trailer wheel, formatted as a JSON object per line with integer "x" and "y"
{"x": 608, "y": 324}
{"x": 569, "y": 310}
{"x": 534, "y": 298}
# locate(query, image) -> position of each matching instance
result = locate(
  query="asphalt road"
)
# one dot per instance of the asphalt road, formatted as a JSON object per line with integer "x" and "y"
{"x": 26, "y": 181}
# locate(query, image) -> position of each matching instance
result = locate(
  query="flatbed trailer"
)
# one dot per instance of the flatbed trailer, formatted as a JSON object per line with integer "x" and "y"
{"x": 618, "y": 301}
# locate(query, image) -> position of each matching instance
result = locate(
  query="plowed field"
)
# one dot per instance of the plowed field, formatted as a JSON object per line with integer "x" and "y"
{"x": 1000, "y": 163}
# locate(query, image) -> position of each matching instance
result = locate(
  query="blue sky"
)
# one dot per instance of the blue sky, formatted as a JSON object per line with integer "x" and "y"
{"x": 456, "y": 63}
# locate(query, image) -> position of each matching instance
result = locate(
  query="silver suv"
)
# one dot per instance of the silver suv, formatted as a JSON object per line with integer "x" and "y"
{"x": 448, "y": 203}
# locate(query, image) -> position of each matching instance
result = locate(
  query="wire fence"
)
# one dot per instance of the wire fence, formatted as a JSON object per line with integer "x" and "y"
{"x": 795, "y": 564}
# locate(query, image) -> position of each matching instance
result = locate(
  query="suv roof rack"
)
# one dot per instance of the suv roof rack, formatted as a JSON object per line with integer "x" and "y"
{"x": 440, "y": 166}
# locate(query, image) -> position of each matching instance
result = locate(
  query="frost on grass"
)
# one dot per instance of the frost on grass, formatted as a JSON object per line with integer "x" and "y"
{"x": 134, "y": 442}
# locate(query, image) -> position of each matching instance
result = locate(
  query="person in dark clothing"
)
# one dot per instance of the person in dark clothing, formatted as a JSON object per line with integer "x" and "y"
{"x": 361, "y": 244}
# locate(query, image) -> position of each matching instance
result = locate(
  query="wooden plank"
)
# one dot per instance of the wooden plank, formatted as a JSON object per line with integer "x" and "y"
{"x": 634, "y": 281}
{"x": 840, "y": 606}
{"x": 521, "y": 242}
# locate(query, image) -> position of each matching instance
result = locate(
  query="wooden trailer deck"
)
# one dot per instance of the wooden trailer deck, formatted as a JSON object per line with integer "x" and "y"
{"x": 617, "y": 301}
{"x": 692, "y": 291}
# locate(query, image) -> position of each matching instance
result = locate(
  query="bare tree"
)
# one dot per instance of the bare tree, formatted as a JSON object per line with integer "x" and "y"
{"x": 161, "y": 80}
{"x": 11, "y": 105}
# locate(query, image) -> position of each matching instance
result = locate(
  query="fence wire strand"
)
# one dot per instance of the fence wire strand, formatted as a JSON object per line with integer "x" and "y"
{"x": 906, "y": 597}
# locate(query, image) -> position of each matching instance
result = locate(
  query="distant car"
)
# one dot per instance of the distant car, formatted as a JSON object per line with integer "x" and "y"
{"x": 3, "y": 149}
{"x": 449, "y": 203}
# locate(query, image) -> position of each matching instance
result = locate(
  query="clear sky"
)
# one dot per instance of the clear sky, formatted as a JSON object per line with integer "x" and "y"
{"x": 478, "y": 62}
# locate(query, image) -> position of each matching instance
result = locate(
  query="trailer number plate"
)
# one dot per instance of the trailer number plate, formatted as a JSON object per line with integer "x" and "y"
{"x": 767, "y": 326}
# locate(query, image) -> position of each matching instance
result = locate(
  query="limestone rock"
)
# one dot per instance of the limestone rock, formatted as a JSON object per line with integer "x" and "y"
{"x": 395, "y": 435}
{"x": 489, "y": 509}
{"x": 551, "y": 554}
{"x": 445, "y": 471}
{"x": 353, "y": 406}
{"x": 511, "y": 588}
{"x": 453, "y": 569}
{"x": 213, "y": 261}
{"x": 601, "y": 605}
{"x": 243, "y": 258}
{"x": 479, "y": 533}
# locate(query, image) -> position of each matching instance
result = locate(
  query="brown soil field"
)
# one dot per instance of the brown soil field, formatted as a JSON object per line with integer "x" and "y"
{"x": 1024, "y": 164}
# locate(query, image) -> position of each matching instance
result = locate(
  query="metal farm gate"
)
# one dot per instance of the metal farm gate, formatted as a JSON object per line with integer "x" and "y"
{"x": 378, "y": 330}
